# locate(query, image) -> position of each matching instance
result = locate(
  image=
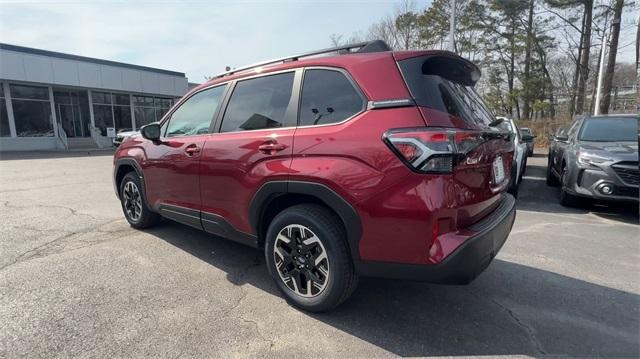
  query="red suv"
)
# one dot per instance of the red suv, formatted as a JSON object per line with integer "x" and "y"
{"x": 343, "y": 162}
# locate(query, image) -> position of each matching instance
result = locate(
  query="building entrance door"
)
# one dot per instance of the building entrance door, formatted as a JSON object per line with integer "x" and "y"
{"x": 72, "y": 110}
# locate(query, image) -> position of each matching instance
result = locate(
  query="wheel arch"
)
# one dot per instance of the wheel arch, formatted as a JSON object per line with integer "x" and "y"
{"x": 275, "y": 196}
{"x": 122, "y": 167}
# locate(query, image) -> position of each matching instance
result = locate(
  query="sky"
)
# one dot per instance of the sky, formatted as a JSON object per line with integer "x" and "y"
{"x": 198, "y": 38}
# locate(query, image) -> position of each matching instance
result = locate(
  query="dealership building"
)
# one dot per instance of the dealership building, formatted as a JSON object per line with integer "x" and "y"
{"x": 51, "y": 100}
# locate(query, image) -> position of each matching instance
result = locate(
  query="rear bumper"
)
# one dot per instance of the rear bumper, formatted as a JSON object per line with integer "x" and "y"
{"x": 465, "y": 263}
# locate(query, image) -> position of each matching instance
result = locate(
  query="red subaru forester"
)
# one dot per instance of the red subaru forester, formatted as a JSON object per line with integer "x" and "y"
{"x": 342, "y": 162}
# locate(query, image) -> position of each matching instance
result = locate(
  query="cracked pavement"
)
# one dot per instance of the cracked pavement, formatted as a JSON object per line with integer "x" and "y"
{"x": 76, "y": 280}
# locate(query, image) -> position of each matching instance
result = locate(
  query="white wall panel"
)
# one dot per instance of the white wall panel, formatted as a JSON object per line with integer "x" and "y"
{"x": 19, "y": 66}
{"x": 132, "y": 80}
{"x": 38, "y": 68}
{"x": 89, "y": 75}
{"x": 65, "y": 72}
{"x": 11, "y": 66}
{"x": 111, "y": 77}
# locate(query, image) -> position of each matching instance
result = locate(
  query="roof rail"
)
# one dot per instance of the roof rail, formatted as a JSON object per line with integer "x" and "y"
{"x": 362, "y": 47}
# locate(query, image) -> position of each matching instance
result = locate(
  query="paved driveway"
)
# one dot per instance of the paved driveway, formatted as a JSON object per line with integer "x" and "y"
{"x": 75, "y": 280}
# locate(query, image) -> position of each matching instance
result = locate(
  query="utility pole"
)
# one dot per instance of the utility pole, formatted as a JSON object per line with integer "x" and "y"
{"x": 603, "y": 48}
{"x": 452, "y": 27}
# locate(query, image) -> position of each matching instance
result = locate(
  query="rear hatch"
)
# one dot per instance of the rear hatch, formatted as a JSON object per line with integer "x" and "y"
{"x": 442, "y": 86}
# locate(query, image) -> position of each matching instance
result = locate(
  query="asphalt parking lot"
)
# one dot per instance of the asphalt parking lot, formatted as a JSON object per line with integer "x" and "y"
{"x": 76, "y": 280}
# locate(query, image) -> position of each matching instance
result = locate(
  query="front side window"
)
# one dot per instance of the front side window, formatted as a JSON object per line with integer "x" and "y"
{"x": 327, "y": 97}
{"x": 194, "y": 116}
{"x": 31, "y": 111}
{"x": 259, "y": 103}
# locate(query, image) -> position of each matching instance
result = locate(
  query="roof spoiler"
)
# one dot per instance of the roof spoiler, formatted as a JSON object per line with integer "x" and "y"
{"x": 358, "y": 47}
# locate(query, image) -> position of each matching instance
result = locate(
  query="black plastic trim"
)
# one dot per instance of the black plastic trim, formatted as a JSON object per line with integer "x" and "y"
{"x": 188, "y": 216}
{"x": 271, "y": 190}
{"x": 465, "y": 263}
{"x": 136, "y": 166}
{"x": 217, "y": 225}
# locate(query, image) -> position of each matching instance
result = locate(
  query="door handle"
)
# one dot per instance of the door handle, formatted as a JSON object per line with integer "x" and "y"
{"x": 192, "y": 150}
{"x": 271, "y": 147}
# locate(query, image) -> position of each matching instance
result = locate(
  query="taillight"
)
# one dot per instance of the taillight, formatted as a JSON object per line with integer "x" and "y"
{"x": 432, "y": 150}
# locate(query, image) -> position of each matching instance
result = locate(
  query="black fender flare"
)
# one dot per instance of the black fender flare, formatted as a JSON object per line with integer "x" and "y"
{"x": 273, "y": 189}
{"x": 136, "y": 166}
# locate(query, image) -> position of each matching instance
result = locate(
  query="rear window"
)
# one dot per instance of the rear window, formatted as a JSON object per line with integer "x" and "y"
{"x": 445, "y": 84}
{"x": 609, "y": 129}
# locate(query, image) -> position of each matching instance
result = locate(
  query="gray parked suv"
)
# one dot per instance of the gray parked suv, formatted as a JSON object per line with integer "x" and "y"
{"x": 597, "y": 157}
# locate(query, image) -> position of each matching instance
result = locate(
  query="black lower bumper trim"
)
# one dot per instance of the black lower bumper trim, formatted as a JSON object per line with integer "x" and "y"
{"x": 465, "y": 263}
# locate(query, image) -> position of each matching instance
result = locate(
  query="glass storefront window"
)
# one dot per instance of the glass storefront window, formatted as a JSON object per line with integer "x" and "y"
{"x": 33, "y": 118}
{"x": 29, "y": 92}
{"x": 122, "y": 116}
{"x": 31, "y": 110}
{"x": 101, "y": 97}
{"x": 72, "y": 111}
{"x": 111, "y": 110}
{"x": 103, "y": 118}
{"x": 150, "y": 109}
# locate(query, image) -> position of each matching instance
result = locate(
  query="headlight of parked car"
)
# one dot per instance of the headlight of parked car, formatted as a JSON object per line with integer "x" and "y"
{"x": 590, "y": 159}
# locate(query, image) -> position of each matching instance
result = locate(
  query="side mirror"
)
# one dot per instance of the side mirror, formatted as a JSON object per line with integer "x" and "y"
{"x": 151, "y": 131}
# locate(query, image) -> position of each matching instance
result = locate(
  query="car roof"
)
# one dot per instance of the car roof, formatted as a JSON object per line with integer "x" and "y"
{"x": 615, "y": 115}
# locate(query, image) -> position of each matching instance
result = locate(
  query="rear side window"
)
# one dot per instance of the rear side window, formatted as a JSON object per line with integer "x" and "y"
{"x": 445, "y": 84}
{"x": 327, "y": 97}
{"x": 259, "y": 103}
{"x": 194, "y": 116}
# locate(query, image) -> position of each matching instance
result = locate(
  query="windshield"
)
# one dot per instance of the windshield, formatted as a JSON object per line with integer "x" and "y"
{"x": 609, "y": 129}
{"x": 505, "y": 126}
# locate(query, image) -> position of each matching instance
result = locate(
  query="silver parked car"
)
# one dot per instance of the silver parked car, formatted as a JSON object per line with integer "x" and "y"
{"x": 596, "y": 158}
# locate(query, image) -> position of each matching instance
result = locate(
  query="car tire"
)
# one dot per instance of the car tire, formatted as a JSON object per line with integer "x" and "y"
{"x": 566, "y": 198}
{"x": 552, "y": 180}
{"x": 134, "y": 203}
{"x": 313, "y": 270}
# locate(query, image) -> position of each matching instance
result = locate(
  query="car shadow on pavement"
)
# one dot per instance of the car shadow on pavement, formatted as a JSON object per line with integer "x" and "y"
{"x": 535, "y": 195}
{"x": 509, "y": 309}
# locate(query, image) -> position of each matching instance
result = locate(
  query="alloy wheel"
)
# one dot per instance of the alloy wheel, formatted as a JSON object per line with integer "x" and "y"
{"x": 301, "y": 260}
{"x": 132, "y": 201}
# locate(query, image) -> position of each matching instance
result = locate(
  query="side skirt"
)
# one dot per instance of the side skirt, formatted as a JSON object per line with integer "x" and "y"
{"x": 208, "y": 222}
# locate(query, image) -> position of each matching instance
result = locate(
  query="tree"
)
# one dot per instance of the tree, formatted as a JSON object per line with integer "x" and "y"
{"x": 581, "y": 74}
{"x": 611, "y": 62}
{"x": 526, "y": 97}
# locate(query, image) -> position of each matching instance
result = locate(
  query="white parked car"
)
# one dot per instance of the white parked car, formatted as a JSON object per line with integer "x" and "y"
{"x": 520, "y": 158}
{"x": 122, "y": 135}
